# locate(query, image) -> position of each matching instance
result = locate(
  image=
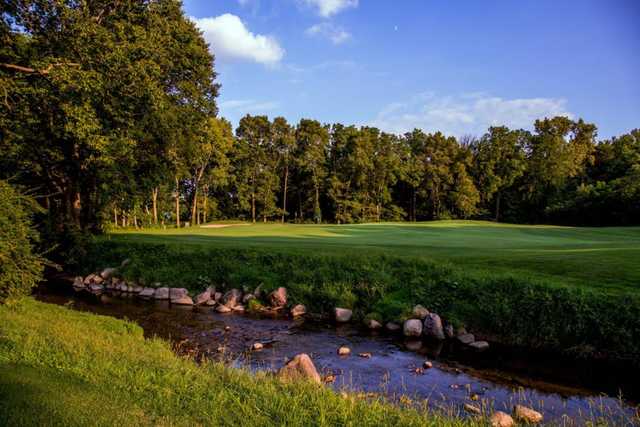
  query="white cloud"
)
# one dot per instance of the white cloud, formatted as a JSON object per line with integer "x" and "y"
{"x": 229, "y": 38}
{"x": 336, "y": 34}
{"x": 466, "y": 114}
{"x": 326, "y": 8}
{"x": 245, "y": 106}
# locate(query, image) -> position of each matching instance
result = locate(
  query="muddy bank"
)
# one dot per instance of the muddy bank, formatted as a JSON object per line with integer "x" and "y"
{"x": 497, "y": 379}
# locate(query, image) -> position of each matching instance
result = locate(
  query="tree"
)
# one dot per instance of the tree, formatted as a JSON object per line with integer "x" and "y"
{"x": 285, "y": 144}
{"x": 312, "y": 139}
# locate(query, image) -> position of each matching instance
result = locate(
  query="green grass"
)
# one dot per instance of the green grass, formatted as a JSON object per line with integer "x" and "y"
{"x": 63, "y": 367}
{"x": 606, "y": 259}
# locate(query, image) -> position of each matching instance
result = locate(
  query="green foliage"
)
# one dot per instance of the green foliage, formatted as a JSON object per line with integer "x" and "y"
{"x": 515, "y": 307}
{"x": 20, "y": 268}
{"x": 57, "y": 366}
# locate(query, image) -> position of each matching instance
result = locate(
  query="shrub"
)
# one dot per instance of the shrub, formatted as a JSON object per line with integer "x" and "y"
{"x": 20, "y": 268}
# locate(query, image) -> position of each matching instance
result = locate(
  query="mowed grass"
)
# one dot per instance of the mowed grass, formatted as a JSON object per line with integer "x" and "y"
{"x": 606, "y": 259}
{"x": 60, "y": 367}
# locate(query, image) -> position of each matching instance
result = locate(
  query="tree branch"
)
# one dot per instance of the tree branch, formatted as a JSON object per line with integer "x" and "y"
{"x": 43, "y": 71}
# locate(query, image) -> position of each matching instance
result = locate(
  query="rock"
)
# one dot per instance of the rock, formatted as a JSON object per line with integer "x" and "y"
{"x": 343, "y": 315}
{"x": 211, "y": 302}
{"x": 223, "y": 309}
{"x": 185, "y": 300}
{"x": 257, "y": 292}
{"x": 427, "y": 365}
{"x": 527, "y": 415}
{"x": 344, "y": 351}
{"x": 433, "y": 326}
{"x": 177, "y": 293}
{"x": 123, "y": 287}
{"x": 257, "y": 346}
{"x": 448, "y": 331}
{"x": 419, "y": 312}
{"x": 247, "y": 298}
{"x": 366, "y": 355}
{"x": 466, "y": 338}
{"x": 147, "y": 293}
{"x": 136, "y": 289}
{"x": 392, "y": 327}
{"x": 472, "y": 408}
{"x": 217, "y": 296}
{"x": 238, "y": 308}
{"x": 479, "y": 345}
{"x": 97, "y": 279}
{"x": 412, "y": 328}
{"x": 112, "y": 285}
{"x": 89, "y": 279}
{"x": 203, "y": 297}
{"x": 108, "y": 273}
{"x": 125, "y": 262}
{"x": 300, "y": 368}
{"x": 96, "y": 288}
{"x": 298, "y": 310}
{"x": 373, "y": 324}
{"x": 78, "y": 283}
{"x": 162, "y": 293}
{"x": 232, "y": 298}
{"x": 501, "y": 419}
{"x": 278, "y": 298}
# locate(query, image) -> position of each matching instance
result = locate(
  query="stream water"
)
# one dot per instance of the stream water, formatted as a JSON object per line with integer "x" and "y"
{"x": 567, "y": 392}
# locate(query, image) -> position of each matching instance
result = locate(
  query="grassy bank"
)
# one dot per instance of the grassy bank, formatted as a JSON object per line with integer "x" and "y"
{"x": 62, "y": 367}
{"x": 515, "y": 307}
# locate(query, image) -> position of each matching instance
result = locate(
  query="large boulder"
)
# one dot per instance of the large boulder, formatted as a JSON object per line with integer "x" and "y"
{"x": 108, "y": 273}
{"x": 278, "y": 298}
{"x": 343, "y": 315}
{"x": 203, "y": 297}
{"x": 526, "y": 415}
{"x": 419, "y": 312}
{"x": 301, "y": 367}
{"x": 433, "y": 326}
{"x": 501, "y": 419}
{"x": 232, "y": 298}
{"x": 412, "y": 328}
{"x": 177, "y": 293}
{"x": 162, "y": 293}
{"x": 298, "y": 310}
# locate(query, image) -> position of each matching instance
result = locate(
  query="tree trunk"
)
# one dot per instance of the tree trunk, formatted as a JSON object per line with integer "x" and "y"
{"x": 204, "y": 205}
{"x": 253, "y": 207}
{"x": 194, "y": 206}
{"x": 115, "y": 217}
{"x": 177, "y": 203}
{"x": 498, "y": 207}
{"x": 154, "y": 200}
{"x": 284, "y": 196}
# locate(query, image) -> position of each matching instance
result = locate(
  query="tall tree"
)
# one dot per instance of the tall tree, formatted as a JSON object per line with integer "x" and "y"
{"x": 312, "y": 140}
{"x": 284, "y": 141}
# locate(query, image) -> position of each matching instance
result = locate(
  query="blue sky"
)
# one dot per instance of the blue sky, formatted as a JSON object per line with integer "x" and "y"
{"x": 457, "y": 66}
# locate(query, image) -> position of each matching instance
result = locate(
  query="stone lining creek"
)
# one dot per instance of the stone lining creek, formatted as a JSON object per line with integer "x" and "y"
{"x": 497, "y": 378}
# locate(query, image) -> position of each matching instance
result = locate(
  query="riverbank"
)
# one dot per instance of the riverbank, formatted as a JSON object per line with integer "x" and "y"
{"x": 514, "y": 309}
{"x": 62, "y": 367}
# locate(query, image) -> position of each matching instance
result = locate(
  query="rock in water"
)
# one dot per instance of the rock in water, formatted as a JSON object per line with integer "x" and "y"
{"x": 412, "y": 328}
{"x": 147, "y": 293}
{"x": 217, "y": 296}
{"x": 300, "y": 368}
{"x": 247, "y": 298}
{"x": 78, "y": 283}
{"x": 278, "y": 298}
{"x": 527, "y": 415}
{"x": 162, "y": 293}
{"x": 373, "y": 324}
{"x": 223, "y": 309}
{"x": 433, "y": 326}
{"x": 232, "y": 298}
{"x": 211, "y": 302}
{"x": 479, "y": 345}
{"x": 177, "y": 293}
{"x": 501, "y": 419}
{"x": 108, "y": 273}
{"x": 419, "y": 312}
{"x": 466, "y": 338}
{"x": 344, "y": 351}
{"x": 257, "y": 346}
{"x": 298, "y": 310}
{"x": 203, "y": 297}
{"x": 185, "y": 300}
{"x": 448, "y": 331}
{"x": 343, "y": 315}
{"x": 392, "y": 327}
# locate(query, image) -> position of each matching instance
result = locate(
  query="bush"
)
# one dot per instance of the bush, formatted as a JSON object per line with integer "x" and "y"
{"x": 20, "y": 268}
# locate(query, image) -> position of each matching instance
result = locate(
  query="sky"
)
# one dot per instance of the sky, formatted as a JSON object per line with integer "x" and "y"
{"x": 456, "y": 66}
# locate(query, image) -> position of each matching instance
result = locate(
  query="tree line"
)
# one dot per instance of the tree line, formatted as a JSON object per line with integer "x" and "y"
{"x": 110, "y": 117}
